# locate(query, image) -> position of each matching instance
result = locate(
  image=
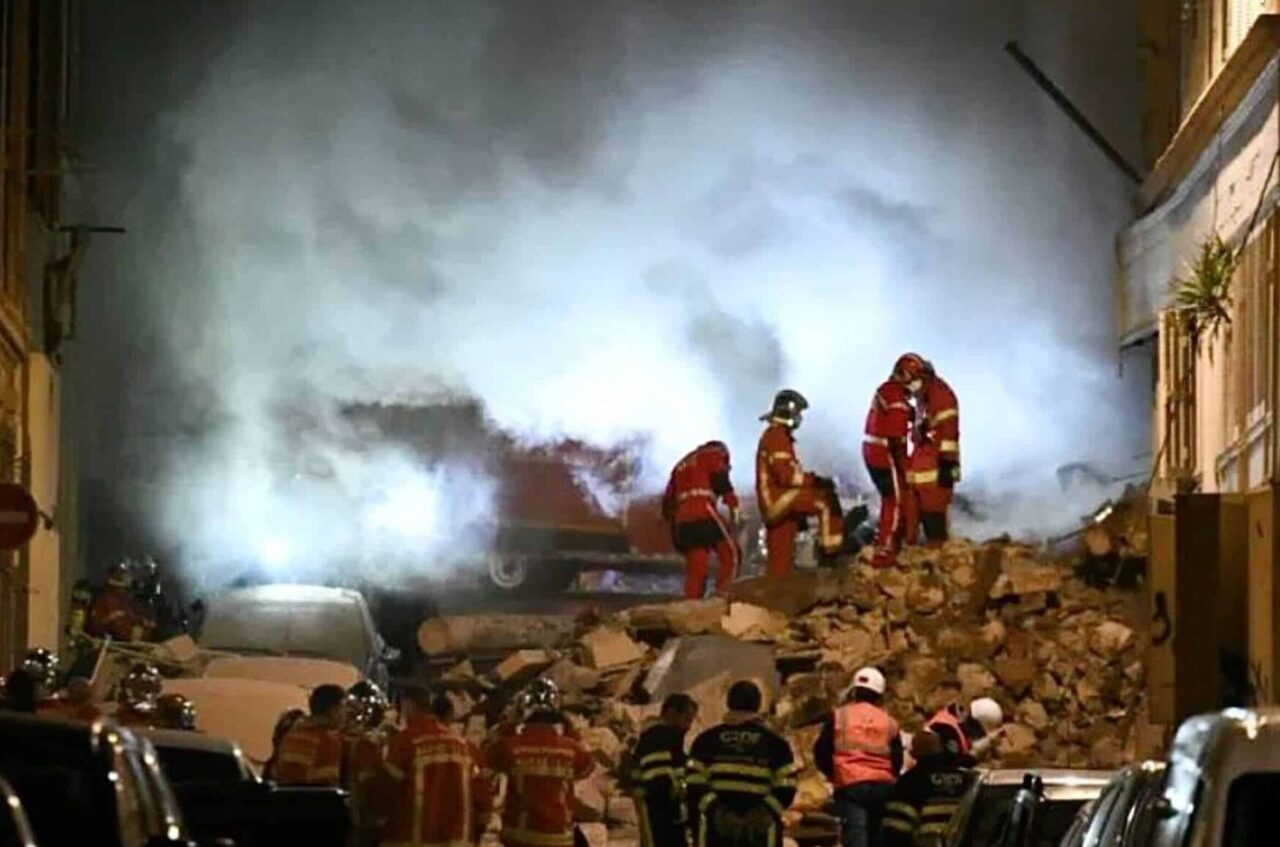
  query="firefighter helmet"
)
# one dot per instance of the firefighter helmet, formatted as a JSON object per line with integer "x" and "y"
{"x": 120, "y": 574}
{"x": 788, "y": 408}
{"x": 141, "y": 687}
{"x": 42, "y": 664}
{"x": 987, "y": 713}
{"x": 910, "y": 370}
{"x": 366, "y": 705}
{"x": 541, "y": 696}
{"x": 175, "y": 711}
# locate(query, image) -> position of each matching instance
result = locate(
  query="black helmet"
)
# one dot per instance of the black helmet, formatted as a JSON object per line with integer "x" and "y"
{"x": 42, "y": 664}
{"x": 540, "y": 697}
{"x": 175, "y": 711}
{"x": 788, "y": 407}
{"x": 141, "y": 687}
{"x": 366, "y": 704}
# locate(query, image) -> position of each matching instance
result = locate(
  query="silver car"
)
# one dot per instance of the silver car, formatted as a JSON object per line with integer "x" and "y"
{"x": 311, "y": 621}
{"x": 1002, "y": 810}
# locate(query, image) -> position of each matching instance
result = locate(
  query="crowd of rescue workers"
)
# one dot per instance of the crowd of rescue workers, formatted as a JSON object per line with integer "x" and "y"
{"x": 413, "y": 779}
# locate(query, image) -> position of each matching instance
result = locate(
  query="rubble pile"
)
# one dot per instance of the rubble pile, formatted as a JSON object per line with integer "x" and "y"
{"x": 947, "y": 624}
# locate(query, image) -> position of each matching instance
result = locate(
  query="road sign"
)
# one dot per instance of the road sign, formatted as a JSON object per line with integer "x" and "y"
{"x": 19, "y": 516}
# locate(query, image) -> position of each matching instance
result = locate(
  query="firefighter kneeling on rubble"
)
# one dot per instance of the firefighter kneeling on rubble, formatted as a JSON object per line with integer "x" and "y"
{"x": 541, "y": 760}
{"x": 697, "y": 482}
{"x": 788, "y": 496}
{"x": 440, "y": 796}
{"x": 919, "y": 808}
{"x": 742, "y": 777}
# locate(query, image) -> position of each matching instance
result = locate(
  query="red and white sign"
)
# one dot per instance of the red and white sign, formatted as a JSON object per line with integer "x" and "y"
{"x": 19, "y": 516}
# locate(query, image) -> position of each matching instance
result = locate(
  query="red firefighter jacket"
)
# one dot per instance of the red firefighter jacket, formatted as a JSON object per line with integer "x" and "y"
{"x": 942, "y": 419}
{"x": 779, "y": 475}
{"x": 60, "y": 707}
{"x": 310, "y": 754}
{"x": 922, "y": 475}
{"x": 115, "y": 613}
{"x": 441, "y": 797}
{"x": 697, "y": 481}
{"x": 888, "y": 422}
{"x": 541, "y": 766}
{"x": 362, "y": 766}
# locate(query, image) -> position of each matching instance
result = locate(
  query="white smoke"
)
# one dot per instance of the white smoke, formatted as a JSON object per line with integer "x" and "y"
{"x": 618, "y": 222}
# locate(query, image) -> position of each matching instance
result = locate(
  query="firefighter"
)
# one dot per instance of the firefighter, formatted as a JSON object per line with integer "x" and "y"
{"x": 284, "y": 723}
{"x": 659, "y": 774}
{"x": 697, "y": 483}
{"x": 137, "y": 696}
{"x": 311, "y": 751}
{"x": 920, "y": 806}
{"x": 967, "y": 733}
{"x": 884, "y": 450}
{"x": 175, "y": 711}
{"x": 541, "y": 761}
{"x": 81, "y": 601}
{"x": 362, "y": 762}
{"x": 940, "y": 419}
{"x": 860, "y": 751}
{"x": 440, "y": 796}
{"x": 742, "y": 777}
{"x": 788, "y": 495}
{"x": 75, "y": 702}
{"x": 931, "y": 498}
{"x": 115, "y": 612}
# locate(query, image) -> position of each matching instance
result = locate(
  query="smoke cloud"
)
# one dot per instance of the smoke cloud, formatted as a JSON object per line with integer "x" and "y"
{"x": 612, "y": 222}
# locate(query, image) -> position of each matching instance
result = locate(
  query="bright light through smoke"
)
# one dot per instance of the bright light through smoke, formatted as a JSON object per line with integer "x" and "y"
{"x": 640, "y": 227}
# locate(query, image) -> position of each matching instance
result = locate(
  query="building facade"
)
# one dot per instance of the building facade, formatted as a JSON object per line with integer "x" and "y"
{"x": 1211, "y": 121}
{"x": 38, "y": 262}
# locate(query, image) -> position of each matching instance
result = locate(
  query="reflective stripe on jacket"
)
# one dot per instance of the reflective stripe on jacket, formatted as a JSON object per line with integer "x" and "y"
{"x": 921, "y": 807}
{"x": 441, "y": 797}
{"x": 310, "y": 754}
{"x": 697, "y": 482}
{"x": 779, "y": 474}
{"x": 541, "y": 765}
{"x": 741, "y": 773}
{"x": 942, "y": 418}
{"x": 888, "y": 422}
{"x": 949, "y": 728}
{"x": 864, "y": 735}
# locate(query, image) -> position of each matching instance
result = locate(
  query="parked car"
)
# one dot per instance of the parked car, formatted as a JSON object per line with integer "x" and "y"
{"x": 1222, "y": 785}
{"x": 222, "y": 796}
{"x": 15, "y": 829}
{"x": 1125, "y": 811}
{"x": 1005, "y": 809}
{"x": 309, "y": 621}
{"x": 88, "y": 784}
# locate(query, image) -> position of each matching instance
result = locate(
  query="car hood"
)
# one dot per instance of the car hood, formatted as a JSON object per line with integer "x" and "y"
{"x": 244, "y": 710}
{"x": 293, "y": 670}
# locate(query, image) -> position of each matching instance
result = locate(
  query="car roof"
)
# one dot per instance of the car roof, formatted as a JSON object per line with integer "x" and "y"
{"x": 286, "y": 593}
{"x": 32, "y": 727}
{"x": 1060, "y": 784}
{"x": 1217, "y": 735}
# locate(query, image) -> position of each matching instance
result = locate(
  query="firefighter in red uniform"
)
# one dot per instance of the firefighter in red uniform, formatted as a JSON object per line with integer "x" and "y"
{"x": 115, "y": 612}
{"x": 362, "y": 760}
{"x": 697, "y": 483}
{"x": 440, "y": 797}
{"x": 884, "y": 450}
{"x": 311, "y": 751}
{"x": 541, "y": 761}
{"x": 931, "y": 499}
{"x": 788, "y": 495}
{"x": 940, "y": 427}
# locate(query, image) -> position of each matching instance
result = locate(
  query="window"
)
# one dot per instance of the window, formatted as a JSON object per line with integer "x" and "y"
{"x": 1253, "y": 811}
{"x": 1249, "y": 358}
{"x": 1178, "y": 375}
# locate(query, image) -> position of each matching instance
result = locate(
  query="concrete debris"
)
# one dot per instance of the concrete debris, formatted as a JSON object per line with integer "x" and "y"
{"x": 946, "y": 624}
{"x": 606, "y": 648}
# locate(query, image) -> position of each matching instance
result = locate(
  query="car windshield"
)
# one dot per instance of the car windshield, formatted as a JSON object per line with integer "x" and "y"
{"x": 181, "y": 764}
{"x": 52, "y": 773}
{"x": 1253, "y": 811}
{"x": 990, "y": 815}
{"x": 259, "y": 623}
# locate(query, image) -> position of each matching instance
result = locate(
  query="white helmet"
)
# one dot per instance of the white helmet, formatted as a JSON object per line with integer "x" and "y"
{"x": 987, "y": 712}
{"x": 870, "y": 679}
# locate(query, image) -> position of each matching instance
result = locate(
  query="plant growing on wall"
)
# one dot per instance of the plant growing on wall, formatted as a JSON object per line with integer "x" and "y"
{"x": 1202, "y": 297}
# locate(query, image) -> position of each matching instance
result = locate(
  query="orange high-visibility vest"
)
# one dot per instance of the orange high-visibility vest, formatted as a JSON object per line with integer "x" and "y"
{"x": 864, "y": 736}
{"x": 949, "y": 722}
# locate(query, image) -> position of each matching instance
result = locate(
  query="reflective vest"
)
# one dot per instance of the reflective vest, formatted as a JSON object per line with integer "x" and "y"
{"x": 864, "y": 737}
{"x": 779, "y": 474}
{"x": 697, "y": 482}
{"x": 948, "y": 727}
{"x": 942, "y": 419}
{"x": 310, "y": 754}
{"x": 888, "y": 421}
